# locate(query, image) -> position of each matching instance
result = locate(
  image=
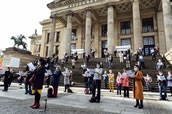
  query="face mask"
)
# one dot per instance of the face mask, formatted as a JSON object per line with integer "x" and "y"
{"x": 57, "y": 69}
{"x": 160, "y": 73}
{"x": 98, "y": 66}
{"x": 135, "y": 69}
{"x": 38, "y": 63}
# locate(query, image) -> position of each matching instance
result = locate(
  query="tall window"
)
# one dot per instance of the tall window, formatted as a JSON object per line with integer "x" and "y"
{"x": 48, "y": 36}
{"x": 147, "y": 25}
{"x": 46, "y": 54}
{"x": 57, "y": 36}
{"x": 39, "y": 48}
{"x": 73, "y": 46}
{"x": 125, "y": 42}
{"x": 125, "y": 27}
{"x": 104, "y": 30}
{"x": 74, "y": 34}
{"x": 57, "y": 50}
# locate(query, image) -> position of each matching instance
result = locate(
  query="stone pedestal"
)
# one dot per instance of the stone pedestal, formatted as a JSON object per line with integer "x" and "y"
{"x": 25, "y": 57}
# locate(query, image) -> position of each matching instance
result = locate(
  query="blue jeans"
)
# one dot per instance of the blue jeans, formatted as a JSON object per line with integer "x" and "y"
{"x": 164, "y": 88}
{"x": 119, "y": 89}
{"x": 148, "y": 84}
{"x": 110, "y": 64}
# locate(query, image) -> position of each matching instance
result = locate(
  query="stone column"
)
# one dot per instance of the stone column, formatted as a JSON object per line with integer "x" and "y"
{"x": 167, "y": 16}
{"x": 161, "y": 34}
{"x": 110, "y": 31}
{"x": 68, "y": 36}
{"x": 43, "y": 39}
{"x": 51, "y": 39}
{"x": 96, "y": 40}
{"x": 138, "y": 40}
{"x": 88, "y": 32}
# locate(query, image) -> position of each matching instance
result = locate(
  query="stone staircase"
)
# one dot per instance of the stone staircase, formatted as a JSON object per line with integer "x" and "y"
{"x": 150, "y": 68}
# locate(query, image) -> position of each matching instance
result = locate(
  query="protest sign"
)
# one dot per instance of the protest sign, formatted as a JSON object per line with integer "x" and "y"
{"x": 11, "y": 62}
{"x": 31, "y": 66}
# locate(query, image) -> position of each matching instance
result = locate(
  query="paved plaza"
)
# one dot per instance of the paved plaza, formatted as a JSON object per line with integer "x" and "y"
{"x": 16, "y": 102}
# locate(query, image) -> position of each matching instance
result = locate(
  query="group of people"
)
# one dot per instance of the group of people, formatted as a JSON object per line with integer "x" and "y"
{"x": 34, "y": 78}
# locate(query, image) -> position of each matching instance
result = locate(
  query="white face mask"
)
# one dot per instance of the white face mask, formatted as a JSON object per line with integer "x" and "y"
{"x": 135, "y": 69}
{"x": 160, "y": 73}
{"x": 57, "y": 69}
{"x": 98, "y": 66}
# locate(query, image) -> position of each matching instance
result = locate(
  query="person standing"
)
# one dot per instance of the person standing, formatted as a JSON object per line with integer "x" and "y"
{"x": 162, "y": 84}
{"x": 96, "y": 84}
{"x": 119, "y": 83}
{"x": 125, "y": 83}
{"x": 73, "y": 63}
{"x": 121, "y": 57}
{"x": 169, "y": 78}
{"x": 56, "y": 80}
{"x": 37, "y": 82}
{"x": 67, "y": 75}
{"x": 6, "y": 79}
{"x": 105, "y": 77}
{"x": 111, "y": 81}
{"x": 84, "y": 68}
{"x": 110, "y": 60}
{"x": 27, "y": 83}
{"x": 138, "y": 87}
{"x": 148, "y": 82}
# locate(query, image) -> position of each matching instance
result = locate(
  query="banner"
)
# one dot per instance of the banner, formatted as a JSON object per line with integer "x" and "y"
{"x": 122, "y": 48}
{"x": 1, "y": 61}
{"x": 79, "y": 51}
{"x": 11, "y": 62}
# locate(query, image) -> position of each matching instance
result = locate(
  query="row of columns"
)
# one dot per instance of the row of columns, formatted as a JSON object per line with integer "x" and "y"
{"x": 111, "y": 34}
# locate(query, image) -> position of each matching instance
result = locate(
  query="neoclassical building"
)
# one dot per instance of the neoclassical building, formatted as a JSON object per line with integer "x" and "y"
{"x": 104, "y": 24}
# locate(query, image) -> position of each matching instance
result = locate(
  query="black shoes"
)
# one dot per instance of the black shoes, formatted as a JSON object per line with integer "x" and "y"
{"x": 140, "y": 107}
{"x": 136, "y": 105}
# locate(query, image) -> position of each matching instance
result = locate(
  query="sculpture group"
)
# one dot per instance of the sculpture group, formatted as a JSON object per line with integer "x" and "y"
{"x": 18, "y": 41}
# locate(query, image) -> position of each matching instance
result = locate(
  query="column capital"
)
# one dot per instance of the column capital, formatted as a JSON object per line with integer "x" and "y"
{"x": 135, "y": 1}
{"x": 69, "y": 13}
{"x": 88, "y": 9}
{"x": 52, "y": 16}
{"x": 110, "y": 4}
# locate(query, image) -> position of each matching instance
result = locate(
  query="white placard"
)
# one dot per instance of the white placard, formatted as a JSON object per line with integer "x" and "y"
{"x": 11, "y": 62}
{"x": 122, "y": 48}
{"x": 130, "y": 73}
{"x": 31, "y": 66}
{"x": 79, "y": 51}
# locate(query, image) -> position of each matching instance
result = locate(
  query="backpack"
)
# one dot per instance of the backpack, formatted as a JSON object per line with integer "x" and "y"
{"x": 50, "y": 92}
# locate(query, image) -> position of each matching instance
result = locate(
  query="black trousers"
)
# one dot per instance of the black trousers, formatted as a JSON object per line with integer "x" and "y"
{"x": 171, "y": 90}
{"x": 37, "y": 97}
{"x": 48, "y": 81}
{"x": 126, "y": 91}
{"x": 5, "y": 86}
{"x": 96, "y": 85}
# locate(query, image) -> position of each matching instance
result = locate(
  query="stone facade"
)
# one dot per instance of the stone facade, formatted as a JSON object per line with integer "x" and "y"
{"x": 100, "y": 24}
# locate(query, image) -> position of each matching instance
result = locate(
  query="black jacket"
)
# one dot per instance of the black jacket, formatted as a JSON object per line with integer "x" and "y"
{"x": 38, "y": 78}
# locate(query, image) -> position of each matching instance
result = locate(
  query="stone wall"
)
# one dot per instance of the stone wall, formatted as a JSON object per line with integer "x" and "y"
{"x": 24, "y": 55}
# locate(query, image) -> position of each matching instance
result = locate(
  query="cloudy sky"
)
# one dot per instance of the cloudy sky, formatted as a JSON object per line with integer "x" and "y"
{"x": 21, "y": 17}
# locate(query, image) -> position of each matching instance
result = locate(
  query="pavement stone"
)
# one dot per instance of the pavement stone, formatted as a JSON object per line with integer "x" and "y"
{"x": 16, "y": 102}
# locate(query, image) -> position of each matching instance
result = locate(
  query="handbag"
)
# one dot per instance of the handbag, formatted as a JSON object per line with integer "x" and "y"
{"x": 32, "y": 78}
